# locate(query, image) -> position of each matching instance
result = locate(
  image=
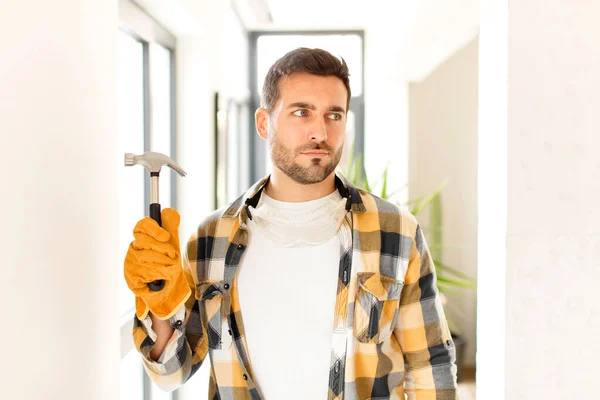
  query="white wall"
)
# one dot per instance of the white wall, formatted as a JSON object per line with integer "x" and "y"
{"x": 194, "y": 130}
{"x": 553, "y": 225}
{"x": 215, "y": 60}
{"x": 60, "y": 331}
{"x": 491, "y": 201}
{"x": 443, "y": 146}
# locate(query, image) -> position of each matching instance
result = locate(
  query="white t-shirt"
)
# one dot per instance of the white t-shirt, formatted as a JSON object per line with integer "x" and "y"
{"x": 287, "y": 296}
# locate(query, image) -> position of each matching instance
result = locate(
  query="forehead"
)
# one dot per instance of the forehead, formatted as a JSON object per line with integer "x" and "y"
{"x": 302, "y": 86}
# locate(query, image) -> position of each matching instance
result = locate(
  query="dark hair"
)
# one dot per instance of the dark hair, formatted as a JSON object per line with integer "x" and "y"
{"x": 312, "y": 61}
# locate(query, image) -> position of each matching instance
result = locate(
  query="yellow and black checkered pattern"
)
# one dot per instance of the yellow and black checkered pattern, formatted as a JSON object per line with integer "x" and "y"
{"x": 390, "y": 336}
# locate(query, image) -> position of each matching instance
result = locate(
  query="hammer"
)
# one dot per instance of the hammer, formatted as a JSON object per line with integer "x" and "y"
{"x": 153, "y": 163}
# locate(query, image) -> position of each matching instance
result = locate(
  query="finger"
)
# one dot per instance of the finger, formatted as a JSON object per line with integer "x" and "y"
{"x": 170, "y": 222}
{"x": 138, "y": 275}
{"x": 145, "y": 242}
{"x": 151, "y": 228}
{"x": 153, "y": 257}
{"x": 148, "y": 294}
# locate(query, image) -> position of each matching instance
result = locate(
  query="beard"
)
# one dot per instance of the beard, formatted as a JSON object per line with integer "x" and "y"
{"x": 319, "y": 169}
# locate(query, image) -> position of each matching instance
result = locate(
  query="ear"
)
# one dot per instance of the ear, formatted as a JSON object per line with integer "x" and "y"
{"x": 261, "y": 118}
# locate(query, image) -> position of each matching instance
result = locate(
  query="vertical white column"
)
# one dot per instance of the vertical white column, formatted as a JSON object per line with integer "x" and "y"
{"x": 492, "y": 202}
{"x": 553, "y": 225}
{"x": 60, "y": 267}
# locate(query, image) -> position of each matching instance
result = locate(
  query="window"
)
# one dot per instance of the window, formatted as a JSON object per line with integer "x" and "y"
{"x": 160, "y": 137}
{"x": 145, "y": 80}
{"x": 349, "y": 46}
{"x": 132, "y": 384}
{"x": 130, "y": 107}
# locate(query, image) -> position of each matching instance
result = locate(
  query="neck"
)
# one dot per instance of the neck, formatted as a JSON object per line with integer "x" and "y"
{"x": 283, "y": 188}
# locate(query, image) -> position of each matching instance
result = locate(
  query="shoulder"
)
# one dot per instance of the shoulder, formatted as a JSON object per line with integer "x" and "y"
{"x": 200, "y": 242}
{"x": 209, "y": 224}
{"x": 391, "y": 215}
{"x": 387, "y": 208}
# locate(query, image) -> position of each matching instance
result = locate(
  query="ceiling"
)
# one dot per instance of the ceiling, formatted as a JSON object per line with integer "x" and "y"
{"x": 420, "y": 33}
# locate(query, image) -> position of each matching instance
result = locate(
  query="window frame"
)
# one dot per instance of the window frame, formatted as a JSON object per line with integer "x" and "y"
{"x": 141, "y": 26}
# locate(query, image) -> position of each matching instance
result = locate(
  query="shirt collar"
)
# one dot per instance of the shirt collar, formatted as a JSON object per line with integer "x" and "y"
{"x": 240, "y": 207}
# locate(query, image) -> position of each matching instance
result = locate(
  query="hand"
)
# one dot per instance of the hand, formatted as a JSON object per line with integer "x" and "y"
{"x": 154, "y": 255}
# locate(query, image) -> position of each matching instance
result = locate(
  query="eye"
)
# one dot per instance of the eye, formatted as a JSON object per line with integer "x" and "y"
{"x": 335, "y": 117}
{"x": 301, "y": 113}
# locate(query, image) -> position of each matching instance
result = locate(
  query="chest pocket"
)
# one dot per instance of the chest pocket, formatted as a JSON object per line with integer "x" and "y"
{"x": 376, "y": 307}
{"x": 214, "y": 318}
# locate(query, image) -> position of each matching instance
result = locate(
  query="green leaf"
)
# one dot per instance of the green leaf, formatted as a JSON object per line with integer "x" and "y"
{"x": 435, "y": 246}
{"x": 441, "y": 266}
{"x": 363, "y": 174}
{"x": 385, "y": 179}
{"x": 428, "y": 199}
{"x": 354, "y": 172}
{"x": 435, "y": 220}
{"x": 454, "y": 329}
{"x": 455, "y": 282}
{"x": 351, "y": 161}
{"x": 447, "y": 289}
{"x": 456, "y": 311}
{"x": 415, "y": 200}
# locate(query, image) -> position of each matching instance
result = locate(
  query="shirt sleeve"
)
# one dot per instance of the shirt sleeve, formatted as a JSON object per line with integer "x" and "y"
{"x": 188, "y": 346}
{"x": 422, "y": 330}
{"x": 169, "y": 350}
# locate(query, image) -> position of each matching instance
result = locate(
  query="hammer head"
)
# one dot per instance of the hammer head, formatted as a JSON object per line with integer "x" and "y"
{"x": 153, "y": 162}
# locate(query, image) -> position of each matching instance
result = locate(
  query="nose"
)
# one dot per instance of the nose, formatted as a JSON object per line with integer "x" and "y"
{"x": 318, "y": 131}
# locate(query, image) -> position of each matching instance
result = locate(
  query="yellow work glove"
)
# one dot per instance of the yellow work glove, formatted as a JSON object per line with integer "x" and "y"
{"x": 155, "y": 255}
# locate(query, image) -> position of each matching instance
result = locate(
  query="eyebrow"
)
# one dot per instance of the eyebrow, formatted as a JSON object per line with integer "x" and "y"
{"x": 312, "y": 107}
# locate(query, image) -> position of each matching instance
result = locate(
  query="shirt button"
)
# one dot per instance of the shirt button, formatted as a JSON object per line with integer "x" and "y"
{"x": 245, "y": 377}
{"x": 226, "y": 286}
{"x": 229, "y": 330}
{"x": 178, "y": 323}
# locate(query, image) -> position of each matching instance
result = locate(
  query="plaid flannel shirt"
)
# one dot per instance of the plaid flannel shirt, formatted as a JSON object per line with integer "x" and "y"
{"x": 390, "y": 335}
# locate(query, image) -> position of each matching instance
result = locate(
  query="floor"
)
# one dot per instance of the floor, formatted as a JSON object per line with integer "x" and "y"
{"x": 466, "y": 384}
{"x": 466, "y": 390}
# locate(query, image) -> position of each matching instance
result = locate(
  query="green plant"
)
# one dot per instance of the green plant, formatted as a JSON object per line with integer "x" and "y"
{"x": 449, "y": 279}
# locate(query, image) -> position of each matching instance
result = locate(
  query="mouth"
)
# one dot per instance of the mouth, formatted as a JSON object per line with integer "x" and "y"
{"x": 315, "y": 154}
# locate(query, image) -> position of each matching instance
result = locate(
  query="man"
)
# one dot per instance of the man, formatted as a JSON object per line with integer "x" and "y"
{"x": 305, "y": 287}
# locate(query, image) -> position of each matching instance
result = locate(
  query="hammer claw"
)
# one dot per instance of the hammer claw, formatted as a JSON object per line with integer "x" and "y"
{"x": 153, "y": 162}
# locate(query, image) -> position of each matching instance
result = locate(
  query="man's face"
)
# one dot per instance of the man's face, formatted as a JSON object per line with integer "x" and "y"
{"x": 307, "y": 126}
